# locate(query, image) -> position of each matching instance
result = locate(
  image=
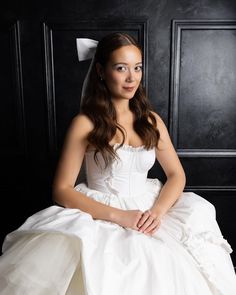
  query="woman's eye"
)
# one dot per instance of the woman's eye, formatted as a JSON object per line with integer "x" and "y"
{"x": 121, "y": 68}
{"x": 138, "y": 68}
{"x": 124, "y": 68}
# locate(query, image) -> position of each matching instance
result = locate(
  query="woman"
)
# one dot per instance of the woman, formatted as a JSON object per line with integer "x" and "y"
{"x": 120, "y": 232}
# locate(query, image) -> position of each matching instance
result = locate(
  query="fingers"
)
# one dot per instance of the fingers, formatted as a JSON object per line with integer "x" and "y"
{"x": 154, "y": 224}
{"x": 153, "y": 230}
{"x": 151, "y": 227}
{"x": 148, "y": 223}
{"x": 135, "y": 226}
{"x": 144, "y": 218}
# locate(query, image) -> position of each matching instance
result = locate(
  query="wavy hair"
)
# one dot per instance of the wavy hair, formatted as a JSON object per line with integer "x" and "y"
{"x": 98, "y": 106}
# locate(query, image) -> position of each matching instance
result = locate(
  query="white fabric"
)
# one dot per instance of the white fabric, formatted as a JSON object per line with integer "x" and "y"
{"x": 65, "y": 251}
{"x": 86, "y": 49}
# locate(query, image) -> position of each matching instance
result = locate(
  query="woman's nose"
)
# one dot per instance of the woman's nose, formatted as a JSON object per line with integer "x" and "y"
{"x": 130, "y": 76}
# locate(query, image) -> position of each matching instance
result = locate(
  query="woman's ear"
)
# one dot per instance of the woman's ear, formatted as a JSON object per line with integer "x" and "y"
{"x": 99, "y": 69}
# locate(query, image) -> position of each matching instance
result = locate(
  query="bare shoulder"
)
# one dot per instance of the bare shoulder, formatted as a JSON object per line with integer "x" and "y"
{"x": 79, "y": 128}
{"x": 165, "y": 140}
{"x": 81, "y": 123}
{"x": 160, "y": 123}
{"x": 82, "y": 120}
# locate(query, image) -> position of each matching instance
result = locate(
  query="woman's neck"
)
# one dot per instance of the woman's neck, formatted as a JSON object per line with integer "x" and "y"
{"x": 121, "y": 106}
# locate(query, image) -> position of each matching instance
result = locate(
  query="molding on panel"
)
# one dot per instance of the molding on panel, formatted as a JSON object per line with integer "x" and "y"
{"x": 216, "y": 191}
{"x": 50, "y": 88}
{"x": 16, "y": 67}
{"x": 222, "y": 189}
{"x": 206, "y": 153}
{"x": 177, "y": 27}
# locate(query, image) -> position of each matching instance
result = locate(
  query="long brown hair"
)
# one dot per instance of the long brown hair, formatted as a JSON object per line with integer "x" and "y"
{"x": 98, "y": 106}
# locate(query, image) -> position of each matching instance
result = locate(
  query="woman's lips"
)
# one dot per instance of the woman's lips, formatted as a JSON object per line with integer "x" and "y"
{"x": 129, "y": 88}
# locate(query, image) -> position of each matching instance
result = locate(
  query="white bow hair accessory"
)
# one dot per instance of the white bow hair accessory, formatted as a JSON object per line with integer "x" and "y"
{"x": 86, "y": 48}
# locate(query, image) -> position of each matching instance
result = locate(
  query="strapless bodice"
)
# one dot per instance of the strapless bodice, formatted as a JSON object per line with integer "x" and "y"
{"x": 125, "y": 176}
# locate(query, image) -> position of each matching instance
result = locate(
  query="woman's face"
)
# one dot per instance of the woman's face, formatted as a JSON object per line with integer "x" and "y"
{"x": 123, "y": 72}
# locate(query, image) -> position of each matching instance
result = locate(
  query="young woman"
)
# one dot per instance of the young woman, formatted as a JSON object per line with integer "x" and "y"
{"x": 120, "y": 232}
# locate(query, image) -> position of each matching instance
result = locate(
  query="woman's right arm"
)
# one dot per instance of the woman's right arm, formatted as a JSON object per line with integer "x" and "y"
{"x": 68, "y": 169}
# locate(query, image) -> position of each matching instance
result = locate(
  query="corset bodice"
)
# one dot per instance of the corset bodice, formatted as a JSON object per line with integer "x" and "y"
{"x": 125, "y": 176}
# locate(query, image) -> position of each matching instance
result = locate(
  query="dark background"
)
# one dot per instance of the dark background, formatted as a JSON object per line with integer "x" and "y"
{"x": 190, "y": 77}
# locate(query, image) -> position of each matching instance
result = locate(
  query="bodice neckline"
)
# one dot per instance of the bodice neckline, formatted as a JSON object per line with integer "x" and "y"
{"x": 129, "y": 147}
{"x": 125, "y": 147}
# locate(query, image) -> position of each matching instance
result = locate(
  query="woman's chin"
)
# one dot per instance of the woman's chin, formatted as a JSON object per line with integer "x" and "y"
{"x": 124, "y": 96}
{"x": 129, "y": 95}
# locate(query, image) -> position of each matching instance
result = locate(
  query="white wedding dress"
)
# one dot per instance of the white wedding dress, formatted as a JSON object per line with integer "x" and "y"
{"x": 61, "y": 251}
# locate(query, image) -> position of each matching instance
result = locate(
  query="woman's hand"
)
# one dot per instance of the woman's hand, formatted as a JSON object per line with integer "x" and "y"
{"x": 149, "y": 223}
{"x": 128, "y": 218}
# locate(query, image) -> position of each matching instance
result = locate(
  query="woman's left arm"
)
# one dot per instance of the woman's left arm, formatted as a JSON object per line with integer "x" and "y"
{"x": 169, "y": 161}
{"x": 174, "y": 185}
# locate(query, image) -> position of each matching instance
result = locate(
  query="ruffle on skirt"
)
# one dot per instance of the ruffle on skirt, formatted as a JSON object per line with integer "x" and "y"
{"x": 192, "y": 222}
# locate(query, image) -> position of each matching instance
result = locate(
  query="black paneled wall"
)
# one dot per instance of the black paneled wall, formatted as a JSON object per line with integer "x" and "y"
{"x": 189, "y": 74}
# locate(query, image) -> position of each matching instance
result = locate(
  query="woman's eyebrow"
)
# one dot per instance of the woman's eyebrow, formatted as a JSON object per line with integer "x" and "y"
{"x": 123, "y": 63}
